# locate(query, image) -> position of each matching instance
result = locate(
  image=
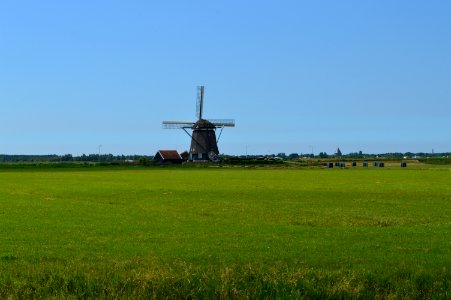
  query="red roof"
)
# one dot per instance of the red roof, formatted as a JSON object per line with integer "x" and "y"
{"x": 169, "y": 154}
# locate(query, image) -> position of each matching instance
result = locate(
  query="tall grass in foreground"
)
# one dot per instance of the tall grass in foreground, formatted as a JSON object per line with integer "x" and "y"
{"x": 185, "y": 281}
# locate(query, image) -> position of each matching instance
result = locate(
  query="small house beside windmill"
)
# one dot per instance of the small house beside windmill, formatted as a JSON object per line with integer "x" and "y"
{"x": 204, "y": 144}
{"x": 168, "y": 157}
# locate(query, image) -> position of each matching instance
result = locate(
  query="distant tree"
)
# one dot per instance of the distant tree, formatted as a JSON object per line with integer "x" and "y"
{"x": 282, "y": 155}
{"x": 323, "y": 155}
{"x": 293, "y": 156}
{"x": 143, "y": 160}
{"x": 67, "y": 157}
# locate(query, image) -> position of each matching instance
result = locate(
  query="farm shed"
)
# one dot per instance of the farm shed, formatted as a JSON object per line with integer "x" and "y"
{"x": 168, "y": 157}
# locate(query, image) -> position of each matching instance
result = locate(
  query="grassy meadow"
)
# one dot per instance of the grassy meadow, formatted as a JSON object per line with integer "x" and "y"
{"x": 225, "y": 232}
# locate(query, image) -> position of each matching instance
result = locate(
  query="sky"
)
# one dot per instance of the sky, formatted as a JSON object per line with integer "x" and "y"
{"x": 297, "y": 76}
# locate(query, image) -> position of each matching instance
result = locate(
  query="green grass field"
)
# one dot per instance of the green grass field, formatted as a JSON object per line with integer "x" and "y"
{"x": 220, "y": 233}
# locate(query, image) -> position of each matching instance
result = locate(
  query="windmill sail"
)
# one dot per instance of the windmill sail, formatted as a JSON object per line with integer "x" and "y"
{"x": 200, "y": 102}
{"x": 177, "y": 124}
{"x": 222, "y": 122}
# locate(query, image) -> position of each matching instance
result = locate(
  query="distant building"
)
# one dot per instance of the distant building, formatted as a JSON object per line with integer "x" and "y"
{"x": 168, "y": 157}
{"x": 338, "y": 153}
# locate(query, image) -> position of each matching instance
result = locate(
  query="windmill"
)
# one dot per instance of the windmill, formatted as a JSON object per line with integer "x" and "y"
{"x": 204, "y": 145}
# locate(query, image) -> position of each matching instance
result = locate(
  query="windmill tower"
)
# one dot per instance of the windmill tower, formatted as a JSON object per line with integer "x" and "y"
{"x": 204, "y": 145}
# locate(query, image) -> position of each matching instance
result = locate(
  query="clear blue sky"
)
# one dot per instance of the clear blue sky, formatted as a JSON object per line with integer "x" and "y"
{"x": 362, "y": 75}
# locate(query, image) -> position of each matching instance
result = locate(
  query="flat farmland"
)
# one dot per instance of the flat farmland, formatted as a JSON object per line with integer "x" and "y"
{"x": 225, "y": 233}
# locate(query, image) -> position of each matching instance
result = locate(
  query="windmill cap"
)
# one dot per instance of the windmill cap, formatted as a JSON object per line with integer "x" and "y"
{"x": 203, "y": 124}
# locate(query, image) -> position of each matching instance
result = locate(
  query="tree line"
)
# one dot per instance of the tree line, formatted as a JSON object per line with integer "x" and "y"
{"x": 360, "y": 154}
{"x": 8, "y": 158}
{"x": 70, "y": 158}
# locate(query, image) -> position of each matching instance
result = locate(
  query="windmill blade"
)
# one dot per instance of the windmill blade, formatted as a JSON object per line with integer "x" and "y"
{"x": 200, "y": 102}
{"x": 177, "y": 124}
{"x": 222, "y": 122}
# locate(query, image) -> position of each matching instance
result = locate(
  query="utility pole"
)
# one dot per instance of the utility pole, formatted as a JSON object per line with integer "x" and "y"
{"x": 312, "y": 150}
